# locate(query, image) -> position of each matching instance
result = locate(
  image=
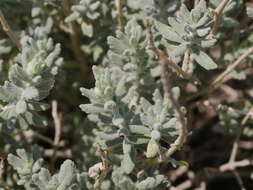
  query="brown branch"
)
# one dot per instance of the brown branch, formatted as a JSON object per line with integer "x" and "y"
{"x": 57, "y": 125}
{"x": 8, "y": 31}
{"x": 223, "y": 77}
{"x": 217, "y": 16}
{"x": 1, "y": 167}
{"x": 166, "y": 83}
{"x": 239, "y": 179}
{"x": 120, "y": 17}
{"x": 232, "y": 164}
{"x": 104, "y": 169}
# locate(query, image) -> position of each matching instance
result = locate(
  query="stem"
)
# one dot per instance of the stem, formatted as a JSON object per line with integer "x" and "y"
{"x": 74, "y": 39}
{"x": 222, "y": 78}
{"x": 167, "y": 86}
{"x": 119, "y": 4}
{"x": 57, "y": 125}
{"x": 217, "y": 16}
{"x": 8, "y": 30}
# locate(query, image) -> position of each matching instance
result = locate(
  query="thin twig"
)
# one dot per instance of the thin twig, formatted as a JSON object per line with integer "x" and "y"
{"x": 57, "y": 125}
{"x": 1, "y": 167}
{"x": 217, "y": 16}
{"x": 166, "y": 83}
{"x": 120, "y": 18}
{"x": 8, "y": 30}
{"x": 239, "y": 179}
{"x": 57, "y": 122}
{"x": 223, "y": 77}
{"x": 104, "y": 169}
{"x": 232, "y": 164}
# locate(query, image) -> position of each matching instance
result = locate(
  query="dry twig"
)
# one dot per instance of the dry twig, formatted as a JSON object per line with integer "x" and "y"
{"x": 120, "y": 18}
{"x": 8, "y": 30}
{"x": 217, "y": 17}
{"x": 103, "y": 170}
{"x": 232, "y": 163}
{"x": 166, "y": 83}
{"x": 223, "y": 77}
{"x": 57, "y": 125}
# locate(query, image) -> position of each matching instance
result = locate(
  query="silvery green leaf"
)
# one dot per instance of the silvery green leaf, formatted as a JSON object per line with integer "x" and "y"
{"x": 185, "y": 14}
{"x": 72, "y": 17}
{"x": 152, "y": 148}
{"x": 127, "y": 163}
{"x": 121, "y": 89}
{"x": 87, "y": 29}
{"x": 10, "y": 92}
{"x": 204, "y": 20}
{"x": 30, "y": 93}
{"x": 151, "y": 182}
{"x": 180, "y": 50}
{"x": 176, "y": 92}
{"x": 249, "y": 12}
{"x": 87, "y": 93}
{"x": 203, "y": 31}
{"x": 230, "y": 22}
{"x": 34, "y": 119}
{"x": 37, "y": 165}
{"x": 90, "y": 108}
{"x": 145, "y": 104}
{"x": 9, "y": 112}
{"x": 134, "y": 31}
{"x": 139, "y": 129}
{"x": 238, "y": 75}
{"x": 18, "y": 76}
{"x": 110, "y": 106}
{"x": 42, "y": 179}
{"x": 37, "y": 106}
{"x": 204, "y": 60}
{"x": 116, "y": 45}
{"x": 21, "y": 107}
{"x": 196, "y": 13}
{"x": 167, "y": 32}
{"x": 36, "y": 11}
{"x": 207, "y": 43}
{"x": 175, "y": 24}
{"x": 66, "y": 174}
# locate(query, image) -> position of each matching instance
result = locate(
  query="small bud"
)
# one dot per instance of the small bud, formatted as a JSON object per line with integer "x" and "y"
{"x": 152, "y": 148}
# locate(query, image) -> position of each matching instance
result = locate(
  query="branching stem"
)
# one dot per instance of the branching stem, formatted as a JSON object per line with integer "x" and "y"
{"x": 223, "y": 77}
{"x": 217, "y": 16}
{"x": 167, "y": 86}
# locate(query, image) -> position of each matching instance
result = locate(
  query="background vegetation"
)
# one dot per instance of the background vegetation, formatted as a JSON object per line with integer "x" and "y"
{"x": 126, "y": 94}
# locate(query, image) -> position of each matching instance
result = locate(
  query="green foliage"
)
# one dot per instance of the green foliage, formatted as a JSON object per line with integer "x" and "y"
{"x": 30, "y": 80}
{"x": 139, "y": 106}
{"x": 189, "y": 31}
{"x": 33, "y": 176}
